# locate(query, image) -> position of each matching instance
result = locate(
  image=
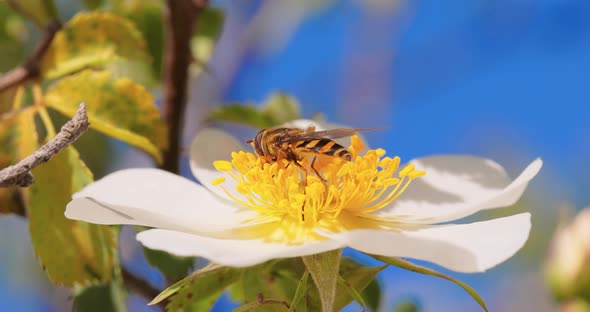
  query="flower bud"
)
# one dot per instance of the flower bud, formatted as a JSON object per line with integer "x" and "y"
{"x": 568, "y": 266}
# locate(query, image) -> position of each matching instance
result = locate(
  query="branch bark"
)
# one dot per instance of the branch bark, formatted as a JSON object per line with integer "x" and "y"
{"x": 180, "y": 17}
{"x": 140, "y": 286}
{"x": 31, "y": 69}
{"x": 20, "y": 174}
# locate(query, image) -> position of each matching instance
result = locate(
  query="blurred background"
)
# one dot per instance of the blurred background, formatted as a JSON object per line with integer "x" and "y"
{"x": 503, "y": 79}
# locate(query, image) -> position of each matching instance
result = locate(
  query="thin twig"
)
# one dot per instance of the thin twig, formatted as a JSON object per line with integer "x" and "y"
{"x": 32, "y": 67}
{"x": 20, "y": 174}
{"x": 180, "y": 17}
{"x": 140, "y": 286}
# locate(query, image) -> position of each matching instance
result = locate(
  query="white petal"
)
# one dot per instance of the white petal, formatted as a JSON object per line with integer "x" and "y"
{"x": 229, "y": 252}
{"x": 473, "y": 247}
{"x": 212, "y": 144}
{"x": 208, "y": 146}
{"x": 457, "y": 186}
{"x": 156, "y": 198}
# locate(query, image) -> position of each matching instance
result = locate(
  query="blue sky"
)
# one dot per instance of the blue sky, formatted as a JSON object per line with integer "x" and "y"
{"x": 510, "y": 74}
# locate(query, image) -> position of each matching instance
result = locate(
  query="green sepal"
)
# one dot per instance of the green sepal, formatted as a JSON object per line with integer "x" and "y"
{"x": 355, "y": 280}
{"x": 324, "y": 270}
{"x": 300, "y": 291}
{"x": 404, "y": 264}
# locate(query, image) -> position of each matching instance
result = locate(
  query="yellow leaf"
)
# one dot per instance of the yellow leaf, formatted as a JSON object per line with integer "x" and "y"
{"x": 119, "y": 108}
{"x": 72, "y": 252}
{"x": 93, "y": 39}
{"x": 18, "y": 137}
{"x": 8, "y": 200}
{"x": 26, "y": 140}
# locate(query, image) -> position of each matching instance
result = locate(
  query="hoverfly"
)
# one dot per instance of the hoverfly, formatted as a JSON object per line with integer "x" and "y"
{"x": 293, "y": 144}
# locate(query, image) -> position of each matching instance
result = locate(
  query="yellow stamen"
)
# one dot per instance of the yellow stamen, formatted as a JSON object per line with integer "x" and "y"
{"x": 223, "y": 165}
{"x": 218, "y": 181}
{"x": 345, "y": 196}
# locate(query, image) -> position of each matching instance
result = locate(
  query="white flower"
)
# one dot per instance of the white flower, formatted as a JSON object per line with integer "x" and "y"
{"x": 246, "y": 213}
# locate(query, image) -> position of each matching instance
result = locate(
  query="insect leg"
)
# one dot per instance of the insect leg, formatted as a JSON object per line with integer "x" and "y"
{"x": 315, "y": 170}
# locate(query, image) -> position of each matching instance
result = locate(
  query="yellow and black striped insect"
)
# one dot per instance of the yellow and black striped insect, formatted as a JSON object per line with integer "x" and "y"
{"x": 293, "y": 144}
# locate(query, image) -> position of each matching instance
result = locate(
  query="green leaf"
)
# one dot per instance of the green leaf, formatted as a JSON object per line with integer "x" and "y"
{"x": 277, "y": 279}
{"x": 352, "y": 292}
{"x": 263, "y": 280}
{"x": 13, "y": 36}
{"x": 263, "y": 304}
{"x": 372, "y": 295}
{"x": 203, "y": 290}
{"x": 324, "y": 269}
{"x": 215, "y": 274}
{"x": 173, "y": 267}
{"x": 148, "y": 16}
{"x": 277, "y": 109}
{"x": 120, "y": 108}
{"x": 406, "y": 306}
{"x": 242, "y": 114}
{"x": 98, "y": 298}
{"x": 95, "y": 39}
{"x": 404, "y": 264}
{"x": 210, "y": 23}
{"x": 71, "y": 252}
{"x": 356, "y": 278}
{"x": 300, "y": 291}
{"x": 282, "y": 108}
{"x": 207, "y": 30}
{"x": 93, "y": 4}
{"x": 41, "y": 12}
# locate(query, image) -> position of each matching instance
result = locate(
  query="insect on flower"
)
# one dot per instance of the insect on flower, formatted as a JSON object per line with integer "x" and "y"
{"x": 294, "y": 144}
{"x": 242, "y": 215}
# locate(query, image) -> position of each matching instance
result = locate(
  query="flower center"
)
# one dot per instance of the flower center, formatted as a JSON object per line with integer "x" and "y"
{"x": 299, "y": 199}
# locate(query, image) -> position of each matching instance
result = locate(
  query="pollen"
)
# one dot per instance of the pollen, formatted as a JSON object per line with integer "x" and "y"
{"x": 338, "y": 195}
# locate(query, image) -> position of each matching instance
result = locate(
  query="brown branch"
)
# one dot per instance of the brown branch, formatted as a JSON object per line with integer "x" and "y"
{"x": 140, "y": 286}
{"x": 31, "y": 69}
{"x": 180, "y": 17}
{"x": 20, "y": 174}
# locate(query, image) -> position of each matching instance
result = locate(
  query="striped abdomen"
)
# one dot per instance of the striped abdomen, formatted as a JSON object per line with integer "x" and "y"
{"x": 324, "y": 147}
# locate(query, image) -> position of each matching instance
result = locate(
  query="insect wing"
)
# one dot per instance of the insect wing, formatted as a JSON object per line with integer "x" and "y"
{"x": 328, "y": 134}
